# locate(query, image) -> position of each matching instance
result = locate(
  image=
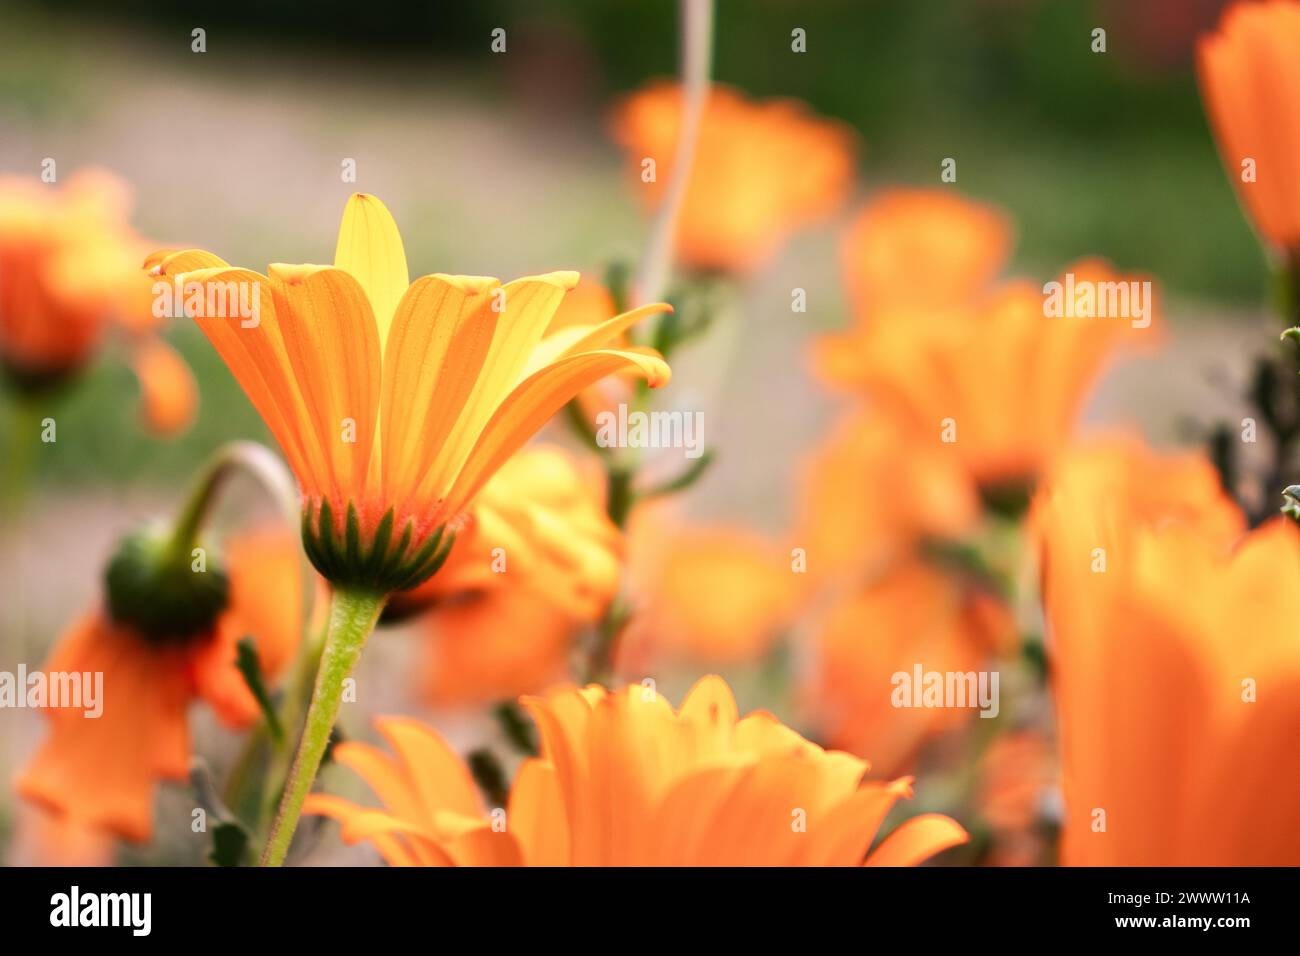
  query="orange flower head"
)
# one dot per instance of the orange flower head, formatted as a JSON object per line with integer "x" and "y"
{"x": 626, "y": 780}
{"x": 761, "y": 171}
{"x": 1249, "y": 75}
{"x": 395, "y": 401}
{"x": 69, "y": 269}
{"x": 870, "y": 490}
{"x": 717, "y": 593}
{"x": 923, "y": 252}
{"x": 156, "y": 653}
{"x": 998, "y": 387}
{"x": 912, "y": 615}
{"x": 1176, "y": 672}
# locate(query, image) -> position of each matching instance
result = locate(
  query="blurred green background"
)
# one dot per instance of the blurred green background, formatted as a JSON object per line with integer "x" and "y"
{"x": 501, "y": 164}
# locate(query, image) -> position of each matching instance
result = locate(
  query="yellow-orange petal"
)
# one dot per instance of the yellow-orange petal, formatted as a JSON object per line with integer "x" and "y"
{"x": 918, "y": 839}
{"x": 439, "y": 340}
{"x": 536, "y": 399}
{"x": 332, "y": 346}
{"x": 370, "y": 249}
{"x": 169, "y": 397}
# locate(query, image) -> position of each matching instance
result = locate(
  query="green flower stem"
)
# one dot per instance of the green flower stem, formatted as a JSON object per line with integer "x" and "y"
{"x": 297, "y": 697}
{"x": 353, "y": 615}
{"x": 230, "y": 459}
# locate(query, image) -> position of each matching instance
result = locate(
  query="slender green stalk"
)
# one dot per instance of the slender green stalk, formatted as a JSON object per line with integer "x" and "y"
{"x": 353, "y": 615}
{"x": 297, "y": 697}
{"x": 696, "y": 59}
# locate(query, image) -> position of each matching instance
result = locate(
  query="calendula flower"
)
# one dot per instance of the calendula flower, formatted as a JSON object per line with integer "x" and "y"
{"x": 394, "y": 401}
{"x": 69, "y": 273}
{"x": 913, "y": 615}
{"x": 1249, "y": 81}
{"x": 762, "y": 169}
{"x": 157, "y": 652}
{"x": 625, "y": 780}
{"x": 998, "y": 387}
{"x": 1175, "y": 667}
{"x": 870, "y": 490}
{"x": 536, "y": 559}
{"x": 713, "y": 593}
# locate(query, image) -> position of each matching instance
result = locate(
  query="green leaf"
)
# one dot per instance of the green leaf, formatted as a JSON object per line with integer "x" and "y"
{"x": 489, "y": 776}
{"x": 250, "y": 667}
{"x": 694, "y": 472}
{"x": 517, "y": 728}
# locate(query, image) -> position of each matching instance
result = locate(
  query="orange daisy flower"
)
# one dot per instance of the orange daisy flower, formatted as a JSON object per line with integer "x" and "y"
{"x": 1249, "y": 81}
{"x": 624, "y": 780}
{"x": 1158, "y": 622}
{"x": 394, "y": 401}
{"x": 103, "y": 771}
{"x": 69, "y": 270}
{"x": 761, "y": 171}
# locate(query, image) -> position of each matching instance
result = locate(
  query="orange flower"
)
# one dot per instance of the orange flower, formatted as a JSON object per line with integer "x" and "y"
{"x": 1176, "y": 670}
{"x": 761, "y": 171}
{"x": 69, "y": 265}
{"x": 623, "y": 779}
{"x": 393, "y": 401}
{"x": 102, "y": 771}
{"x": 922, "y": 252}
{"x": 1249, "y": 80}
{"x": 717, "y": 593}
{"x": 912, "y": 615}
{"x": 998, "y": 387}
{"x": 870, "y": 490}
{"x": 537, "y": 559}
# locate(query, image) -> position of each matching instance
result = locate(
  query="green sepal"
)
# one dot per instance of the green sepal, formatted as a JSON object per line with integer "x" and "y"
{"x": 350, "y": 559}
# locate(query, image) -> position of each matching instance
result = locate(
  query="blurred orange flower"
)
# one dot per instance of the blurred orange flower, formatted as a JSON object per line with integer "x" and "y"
{"x": 870, "y": 491}
{"x": 913, "y": 614}
{"x": 762, "y": 169}
{"x": 1017, "y": 781}
{"x": 1249, "y": 77}
{"x": 999, "y": 385}
{"x": 716, "y": 593}
{"x": 102, "y": 772}
{"x": 922, "y": 252}
{"x": 393, "y": 401}
{"x": 536, "y": 559}
{"x": 1176, "y": 670}
{"x": 625, "y": 780}
{"x": 69, "y": 269}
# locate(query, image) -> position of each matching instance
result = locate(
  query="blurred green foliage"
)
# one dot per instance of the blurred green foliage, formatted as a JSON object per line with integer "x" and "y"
{"x": 1105, "y": 154}
{"x": 1094, "y": 154}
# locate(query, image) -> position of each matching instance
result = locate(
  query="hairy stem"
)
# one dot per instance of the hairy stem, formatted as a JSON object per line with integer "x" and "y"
{"x": 353, "y": 615}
